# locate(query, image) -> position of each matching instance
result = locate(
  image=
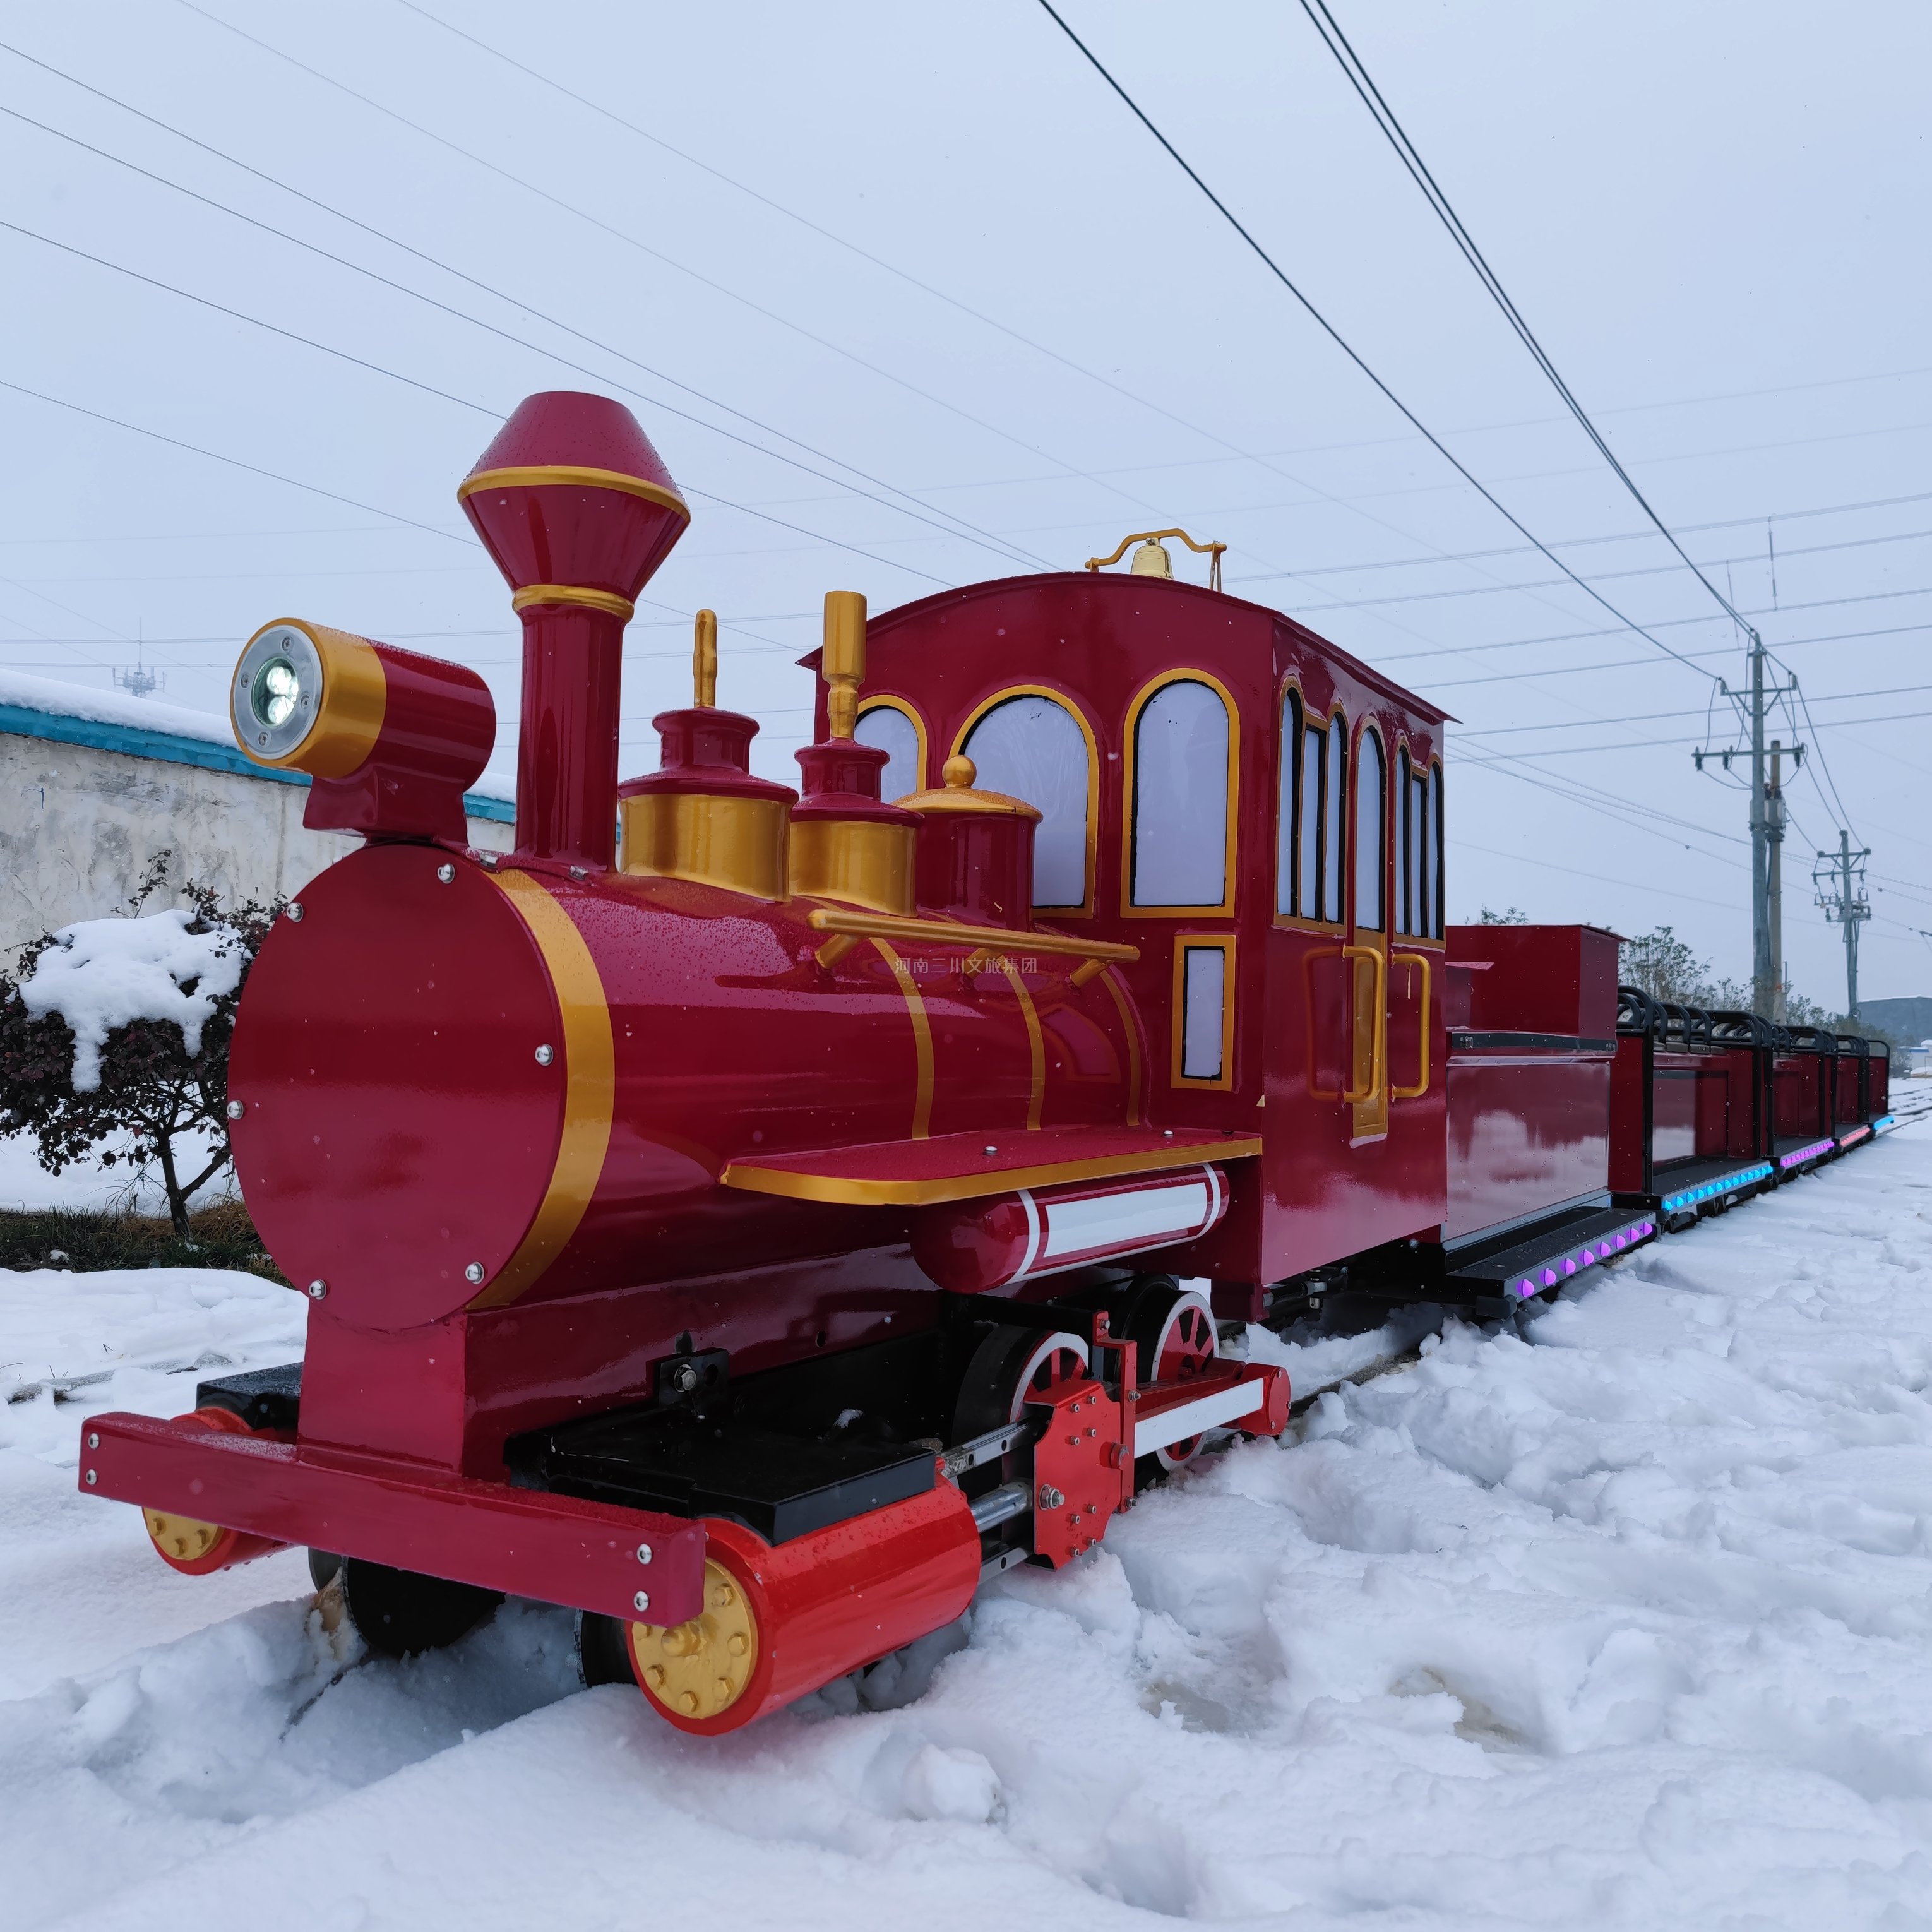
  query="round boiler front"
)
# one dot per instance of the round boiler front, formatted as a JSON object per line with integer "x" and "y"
{"x": 400, "y": 1064}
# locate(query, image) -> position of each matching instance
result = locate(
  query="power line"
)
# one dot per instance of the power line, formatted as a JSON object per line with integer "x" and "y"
{"x": 1384, "y": 117}
{"x": 1640, "y": 744}
{"x": 1335, "y": 336}
{"x": 957, "y": 527}
{"x": 656, "y": 254}
{"x": 482, "y": 409}
{"x": 583, "y": 100}
{"x": 234, "y": 462}
{"x": 1264, "y": 458}
{"x": 1648, "y": 717}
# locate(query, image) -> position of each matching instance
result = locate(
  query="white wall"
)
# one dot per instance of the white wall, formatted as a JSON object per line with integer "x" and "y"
{"x": 79, "y": 826}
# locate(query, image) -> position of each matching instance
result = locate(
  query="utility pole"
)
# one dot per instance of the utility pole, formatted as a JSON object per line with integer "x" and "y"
{"x": 1763, "y": 977}
{"x": 1840, "y": 877}
{"x": 1773, "y": 832}
{"x": 1767, "y": 830}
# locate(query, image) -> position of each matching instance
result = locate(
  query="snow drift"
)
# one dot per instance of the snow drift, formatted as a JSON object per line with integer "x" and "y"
{"x": 1626, "y": 1621}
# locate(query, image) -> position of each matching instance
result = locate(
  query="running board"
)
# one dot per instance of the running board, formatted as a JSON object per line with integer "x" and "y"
{"x": 1547, "y": 1260}
{"x": 1689, "y": 1199}
{"x": 1800, "y": 1156}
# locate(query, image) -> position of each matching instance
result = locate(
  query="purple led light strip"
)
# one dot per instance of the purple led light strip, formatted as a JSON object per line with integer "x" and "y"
{"x": 1600, "y": 1250}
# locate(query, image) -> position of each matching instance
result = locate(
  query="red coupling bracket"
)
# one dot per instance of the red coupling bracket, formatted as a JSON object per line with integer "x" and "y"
{"x": 1077, "y": 1458}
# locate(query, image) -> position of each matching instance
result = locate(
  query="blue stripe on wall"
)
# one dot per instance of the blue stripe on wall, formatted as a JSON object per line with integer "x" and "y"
{"x": 171, "y": 748}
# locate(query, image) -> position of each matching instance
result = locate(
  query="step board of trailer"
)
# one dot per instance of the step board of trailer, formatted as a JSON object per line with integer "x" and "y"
{"x": 1556, "y": 1253}
{"x": 1683, "y": 1190}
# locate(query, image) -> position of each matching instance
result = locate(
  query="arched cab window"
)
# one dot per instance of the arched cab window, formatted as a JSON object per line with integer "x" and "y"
{"x": 1181, "y": 819}
{"x": 1419, "y": 863}
{"x": 1371, "y": 820}
{"x": 895, "y": 730}
{"x": 1030, "y": 746}
{"x": 1308, "y": 844}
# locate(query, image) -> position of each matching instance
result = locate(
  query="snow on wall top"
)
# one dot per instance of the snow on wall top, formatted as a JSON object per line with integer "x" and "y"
{"x": 142, "y": 726}
{"x": 111, "y": 707}
{"x": 101, "y": 973}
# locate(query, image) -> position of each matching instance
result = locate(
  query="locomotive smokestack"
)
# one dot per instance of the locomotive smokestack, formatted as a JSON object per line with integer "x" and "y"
{"x": 577, "y": 511}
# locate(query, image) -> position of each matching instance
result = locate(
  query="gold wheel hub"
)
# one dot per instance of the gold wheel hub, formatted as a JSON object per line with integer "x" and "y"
{"x": 181, "y": 1537}
{"x": 700, "y": 1669}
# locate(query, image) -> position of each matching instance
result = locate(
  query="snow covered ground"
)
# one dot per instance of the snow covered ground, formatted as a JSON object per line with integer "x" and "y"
{"x": 1625, "y": 1622}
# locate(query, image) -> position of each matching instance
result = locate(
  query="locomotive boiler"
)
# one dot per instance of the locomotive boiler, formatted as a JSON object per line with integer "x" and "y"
{"x": 752, "y": 1216}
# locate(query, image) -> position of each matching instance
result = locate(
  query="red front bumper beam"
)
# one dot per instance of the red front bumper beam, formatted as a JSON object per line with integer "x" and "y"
{"x": 525, "y": 1542}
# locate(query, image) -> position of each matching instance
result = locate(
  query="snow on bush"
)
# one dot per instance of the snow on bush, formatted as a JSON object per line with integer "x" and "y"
{"x": 101, "y": 973}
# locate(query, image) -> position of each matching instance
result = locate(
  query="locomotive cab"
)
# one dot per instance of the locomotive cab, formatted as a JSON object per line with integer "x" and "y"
{"x": 1259, "y": 816}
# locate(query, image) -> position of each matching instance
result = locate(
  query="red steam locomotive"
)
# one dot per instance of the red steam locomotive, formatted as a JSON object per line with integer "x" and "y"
{"x": 753, "y": 1217}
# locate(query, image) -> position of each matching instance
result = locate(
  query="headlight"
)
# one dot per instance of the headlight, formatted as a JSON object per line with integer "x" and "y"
{"x": 307, "y": 697}
{"x": 392, "y": 740}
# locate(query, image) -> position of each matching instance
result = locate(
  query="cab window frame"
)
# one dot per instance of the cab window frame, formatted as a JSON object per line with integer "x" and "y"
{"x": 1292, "y": 818}
{"x": 870, "y": 701}
{"x": 1129, "y": 799}
{"x": 1068, "y": 702}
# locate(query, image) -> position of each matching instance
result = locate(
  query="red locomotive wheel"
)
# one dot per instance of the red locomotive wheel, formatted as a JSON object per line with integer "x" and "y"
{"x": 1173, "y": 1328}
{"x": 198, "y": 1549}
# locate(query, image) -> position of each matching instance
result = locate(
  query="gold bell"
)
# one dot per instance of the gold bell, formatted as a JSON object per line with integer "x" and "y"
{"x": 1151, "y": 560}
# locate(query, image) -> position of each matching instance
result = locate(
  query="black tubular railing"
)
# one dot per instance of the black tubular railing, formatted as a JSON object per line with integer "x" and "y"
{"x": 1638, "y": 1013}
{"x": 1689, "y": 1025}
{"x": 1736, "y": 1029}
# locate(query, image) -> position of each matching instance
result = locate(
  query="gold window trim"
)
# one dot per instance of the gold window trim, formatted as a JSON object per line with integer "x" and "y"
{"x": 1368, "y": 727}
{"x": 1294, "y": 922}
{"x": 1129, "y": 748}
{"x": 909, "y": 711}
{"x": 1185, "y": 942}
{"x": 1084, "y": 910}
{"x": 1426, "y": 771}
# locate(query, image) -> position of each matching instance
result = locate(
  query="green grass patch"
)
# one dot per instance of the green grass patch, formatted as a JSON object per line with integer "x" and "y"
{"x": 222, "y": 1237}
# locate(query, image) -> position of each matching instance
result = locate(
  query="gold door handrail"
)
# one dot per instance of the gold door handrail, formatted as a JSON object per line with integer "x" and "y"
{"x": 1346, "y": 1094}
{"x": 1421, "y": 1087}
{"x": 1368, "y": 1095}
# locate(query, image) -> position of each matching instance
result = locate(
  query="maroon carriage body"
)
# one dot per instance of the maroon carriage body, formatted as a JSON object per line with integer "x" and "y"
{"x": 1193, "y": 740}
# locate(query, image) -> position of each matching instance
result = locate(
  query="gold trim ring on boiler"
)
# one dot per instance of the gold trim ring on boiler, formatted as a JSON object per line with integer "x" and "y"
{"x": 710, "y": 838}
{"x": 862, "y": 862}
{"x": 590, "y": 1087}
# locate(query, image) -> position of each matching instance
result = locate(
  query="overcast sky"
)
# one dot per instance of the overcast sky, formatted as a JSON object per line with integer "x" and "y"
{"x": 905, "y": 297}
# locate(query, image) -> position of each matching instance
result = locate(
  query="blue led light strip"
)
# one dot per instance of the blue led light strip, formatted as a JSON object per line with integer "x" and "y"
{"x": 1726, "y": 1184}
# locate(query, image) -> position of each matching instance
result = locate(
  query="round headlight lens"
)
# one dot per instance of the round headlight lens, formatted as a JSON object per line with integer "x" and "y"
{"x": 276, "y": 690}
